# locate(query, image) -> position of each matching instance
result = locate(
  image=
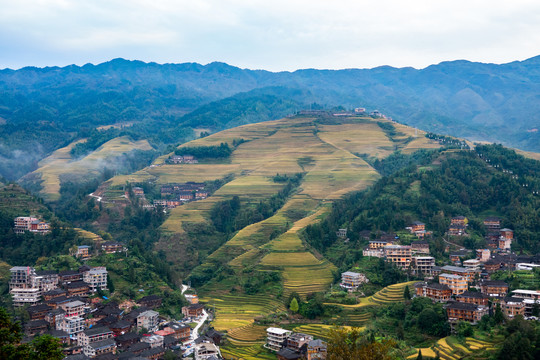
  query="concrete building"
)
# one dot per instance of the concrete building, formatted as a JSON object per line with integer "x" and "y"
{"x": 96, "y": 278}
{"x": 459, "y": 311}
{"x": 147, "y": 320}
{"x": 71, "y": 325}
{"x": 472, "y": 264}
{"x": 458, "y": 284}
{"x": 401, "y": 255}
{"x": 434, "y": 291}
{"x": 423, "y": 264}
{"x": 276, "y": 338}
{"x": 350, "y": 280}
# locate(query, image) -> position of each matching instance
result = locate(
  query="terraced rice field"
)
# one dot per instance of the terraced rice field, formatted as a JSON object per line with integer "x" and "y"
{"x": 320, "y": 331}
{"x": 60, "y": 162}
{"x": 253, "y": 352}
{"x": 449, "y": 348}
{"x": 390, "y": 294}
{"x": 247, "y": 335}
{"x": 237, "y": 311}
{"x": 88, "y": 235}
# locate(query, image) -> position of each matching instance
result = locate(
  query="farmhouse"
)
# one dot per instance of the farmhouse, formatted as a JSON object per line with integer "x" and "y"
{"x": 460, "y": 311}
{"x": 111, "y": 247}
{"x": 434, "y": 291}
{"x": 316, "y": 350}
{"x": 193, "y": 310}
{"x": 150, "y": 301}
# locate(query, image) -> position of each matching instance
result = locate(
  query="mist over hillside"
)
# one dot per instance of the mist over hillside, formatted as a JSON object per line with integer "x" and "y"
{"x": 484, "y": 102}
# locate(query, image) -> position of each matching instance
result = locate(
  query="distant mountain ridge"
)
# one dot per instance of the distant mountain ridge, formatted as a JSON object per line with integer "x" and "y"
{"x": 487, "y": 102}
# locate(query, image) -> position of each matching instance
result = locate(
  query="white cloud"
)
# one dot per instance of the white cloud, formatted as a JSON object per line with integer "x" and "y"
{"x": 276, "y": 35}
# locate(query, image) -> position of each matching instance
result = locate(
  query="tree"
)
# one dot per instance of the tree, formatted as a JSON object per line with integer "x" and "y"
{"x": 406, "y": 293}
{"x": 41, "y": 348}
{"x": 294, "y": 305}
{"x": 353, "y": 344}
{"x": 464, "y": 329}
{"x": 419, "y": 357}
{"x": 498, "y": 316}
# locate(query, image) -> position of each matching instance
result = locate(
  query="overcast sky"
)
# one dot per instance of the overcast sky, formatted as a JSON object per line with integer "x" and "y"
{"x": 272, "y": 34}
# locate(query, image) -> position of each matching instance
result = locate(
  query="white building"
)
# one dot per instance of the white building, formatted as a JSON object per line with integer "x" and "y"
{"x": 275, "y": 338}
{"x": 71, "y": 325}
{"x": 352, "y": 280}
{"x": 206, "y": 350}
{"x": 147, "y": 320}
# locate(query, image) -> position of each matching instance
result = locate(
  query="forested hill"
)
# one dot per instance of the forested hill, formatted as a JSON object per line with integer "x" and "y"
{"x": 491, "y": 180}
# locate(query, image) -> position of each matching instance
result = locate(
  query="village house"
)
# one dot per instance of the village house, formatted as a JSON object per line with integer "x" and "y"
{"x": 460, "y": 311}
{"x": 180, "y": 331}
{"x": 530, "y": 297}
{"x": 30, "y": 223}
{"x": 420, "y": 247}
{"x": 38, "y": 312}
{"x": 111, "y": 247}
{"x": 193, "y": 310}
{"x": 492, "y": 265}
{"x": 83, "y": 252}
{"x": 512, "y": 306}
{"x": 423, "y": 264}
{"x": 472, "y": 297}
{"x": 35, "y": 327}
{"x": 120, "y": 327}
{"x": 483, "y": 255}
{"x": 456, "y": 270}
{"x": 77, "y": 288}
{"x": 54, "y": 316}
{"x": 316, "y": 350}
{"x": 492, "y": 223}
{"x": 73, "y": 308}
{"x": 341, "y": 233}
{"x": 434, "y": 291}
{"x": 419, "y": 229}
{"x": 494, "y": 288}
{"x": 350, "y": 280}
{"x": 472, "y": 264}
{"x": 71, "y": 325}
{"x": 96, "y": 278}
{"x": 94, "y": 334}
{"x": 288, "y": 354}
{"x": 68, "y": 276}
{"x": 201, "y": 194}
{"x": 457, "y": 230}
{"x": 153, "y": 340}
{"x": 206, "y": 350}
{"x": 61, "y": 336}
{"x": 53, "y": 294}
{"x": 153, "y": 353}
{"x": 125, "y": 340}
{"x": 455, "y": 257}
{"x": 505, "y": 239}
{"x": 147, "y": 320}
{"x": 276, "y": 338}
{"x": 107, "y": 346}
{"x": 150, "y": 301}
{"x": 24, "y": 286}
{"x": 400, "y": 255}
{"x": 459, "y": 220}
{"x": 192, "y": 298}
{"x": 379, "y": 253}
{"x": 379, "y": 244}
{"x": 298, "y": 342}
{"x": 137, "y": 191}
{"x": 458, "y": 284}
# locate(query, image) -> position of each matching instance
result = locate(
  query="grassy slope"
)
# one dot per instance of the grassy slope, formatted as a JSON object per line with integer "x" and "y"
{"x": 60, "y": 163}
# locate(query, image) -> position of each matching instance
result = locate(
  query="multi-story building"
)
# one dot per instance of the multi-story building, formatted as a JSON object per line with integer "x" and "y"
{"x": 472, "y": 297}
{"x": 316, "y": 350}
{"x": 83, "y": 252}
{"x": 96, "y": 278}
{"x": 206, "y": 350}
{"x": 420, "y": 247}
{"x": 483, "y": 255}
{"x": 107, "y": 346}
{"x": 147, "y": 320}
{"x": 472, "y": 264}
{"x": 193, "y": 310}
{"x": 434, "y": 291}
{"x": 341, "y": 233}
{"x": 506, "y": 236}
{"x": 459, "y": 220}
{"x": 458, "y": 284}
{"x": 297, "y": 341}
{"x": 73, "y": 308}
{"x": 512, "y": 306}
{"x": 530, "y": 297}
{"x": 373, "y": 252}
{"x": 38, "y": 312}
{"x": 111, "y": 247}
{"x": 69, "y": 276}
{"x": 460, "y": 311}
{"x": 400, "y": 255}
{"x": 71, "y": 325}
{"x": 94, "y": 334}
{"x": 455, "y": 257}
{"x": 494, "y": 288}
{"x": 23, "y": 223}
{"x": 276, "y": 338}
{"x": 352, "y": 280}
{"x": 457, "y": 230}
{"x": 77, "y": 288}
{"x": 46, "y": 280}
{"x": 24, "y": 286}
{"x": 423, "y": 264}
{"x": 461, "y": 271}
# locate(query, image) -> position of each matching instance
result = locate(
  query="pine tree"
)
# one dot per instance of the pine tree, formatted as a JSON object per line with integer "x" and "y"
{"x": 419, "y": 357}
{"x": 406, "y": 293}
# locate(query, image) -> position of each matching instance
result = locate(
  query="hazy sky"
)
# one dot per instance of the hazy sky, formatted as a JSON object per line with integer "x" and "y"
{"x": 271, "y": 34}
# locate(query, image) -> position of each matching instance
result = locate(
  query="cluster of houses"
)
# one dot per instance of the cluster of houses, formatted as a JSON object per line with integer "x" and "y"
{"x": 292, "y": 346}
{"x": 32, "y": 224}
{"x": 60, "y": 304}
{"x": 182, "y": 159}
{"x": 30, "y": 287}
{"x": 173, "y": 195}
